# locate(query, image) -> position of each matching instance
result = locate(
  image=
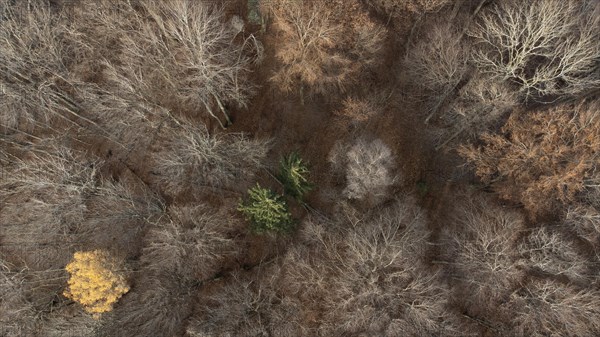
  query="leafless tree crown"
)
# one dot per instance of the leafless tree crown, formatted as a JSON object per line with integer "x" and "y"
{"x": 546, "y": 48}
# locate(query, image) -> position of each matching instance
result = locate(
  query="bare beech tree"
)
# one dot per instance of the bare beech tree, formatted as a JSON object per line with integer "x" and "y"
{"x": 192, "y": 159}
{"x": 369, "y": 169}
{"x": 547, "y": 308}
{"x": 553, "y": 253}
{"x": 547, "y": 48}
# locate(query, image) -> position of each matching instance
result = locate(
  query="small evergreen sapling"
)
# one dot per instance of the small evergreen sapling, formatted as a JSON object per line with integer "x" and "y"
{"x": 293, "y": 173}
{"x": 266, "y": 211}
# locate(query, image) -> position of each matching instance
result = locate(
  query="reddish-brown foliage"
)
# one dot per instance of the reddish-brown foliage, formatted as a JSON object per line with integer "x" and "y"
{"x": 545, "y": 153}
{"x": 322, "y": 50}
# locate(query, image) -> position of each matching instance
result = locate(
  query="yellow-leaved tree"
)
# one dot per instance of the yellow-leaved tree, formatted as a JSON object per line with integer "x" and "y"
{"x": 95, "y": 282}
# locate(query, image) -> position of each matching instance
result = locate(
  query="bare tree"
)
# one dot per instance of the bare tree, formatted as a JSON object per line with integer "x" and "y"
{"x": 584, "y": 216}
{"x": 33, "y": 62}
{"x": 367, "y": 272}
{"x": 118, "y": 214}
{"x": 546, "y": 49}
{"x": 41, "y": 91}
{"x": 192, "y": 243}
{"x": 43, "y": 201}
{"x": 551, "y": 252}
{"x": 480, "y": 104}
{"x": 358, "y": 274}
{"x": 158, "y": 305}
{"x": 547, "y": 308}
{"x": 54, "y": 201}
{"x": 323, "y": 50}
{"x": 17, "y": 312}
{"x": 585, "y": 220}
{"x": 486, "y": 101}
{"x": 369, "y": 169}
{"x": 126, "y": 121}
{"x": 479, "y": 249}
{"x": 438, "y": 63}
{"x": 186, "y": 247}
{"x": 31, "y": 304}
{"x": 397, "y": 7}
{"x": 376, "y": 244}
{"x": 249, "y": 306}
{"x": 177, "y": 54}
{"x": 192, "y": 159}
{"x": 380, "y": 284}
{"x": 69, "y": 321}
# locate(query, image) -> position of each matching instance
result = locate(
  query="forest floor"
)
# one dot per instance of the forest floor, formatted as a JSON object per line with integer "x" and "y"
{"x": 312, "y": 127}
